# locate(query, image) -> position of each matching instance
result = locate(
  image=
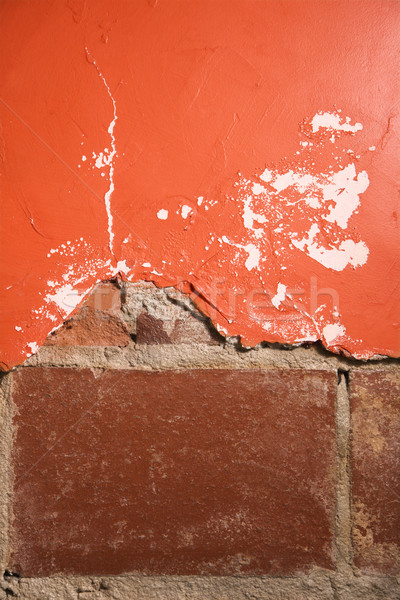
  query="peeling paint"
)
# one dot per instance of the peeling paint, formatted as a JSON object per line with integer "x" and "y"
{"x": 272, "y": 200}
{"x": 326, "y": 120}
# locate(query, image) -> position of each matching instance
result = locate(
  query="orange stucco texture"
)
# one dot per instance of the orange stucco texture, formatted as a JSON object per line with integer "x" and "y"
{"x": 242, "y": 150}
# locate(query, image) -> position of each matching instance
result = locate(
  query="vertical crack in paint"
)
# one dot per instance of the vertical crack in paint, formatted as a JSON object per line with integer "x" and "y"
{"x": 108, "y": 158}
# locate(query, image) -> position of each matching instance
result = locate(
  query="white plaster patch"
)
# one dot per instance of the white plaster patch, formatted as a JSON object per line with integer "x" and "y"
{"x": 266, "y": 176}
{"x": 253, "y": 260}
{"x": 249, "y": 216}
{"x": 330, "y": 120}
{"x": 344, "y": 191}
{"x": 257, "y": 189}
{"x": 121, "y": 267}
{"x": 348, "y": 252}
{"x": 332, "y": 331}
{"x": 290, "y": 178}
{"x": 253, "y": 252}
{"x": 66, "y": 298}
{"x": 333, "y": 196}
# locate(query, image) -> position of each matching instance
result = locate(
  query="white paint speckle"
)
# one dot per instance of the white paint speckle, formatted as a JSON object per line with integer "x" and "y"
{"x": 279, "y": 296}
{"x": 185, "y": 211}
{"x": 17, "y": 328}
{"x": 162, "y": 214}
{"x": 33, "y": 347}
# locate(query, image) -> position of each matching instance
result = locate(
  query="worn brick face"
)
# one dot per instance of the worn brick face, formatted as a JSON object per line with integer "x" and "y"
{"x": 96, "y": 323}
{"x": 375, "y": 401}
{"x": 195, "y": 472}
{"x": 150, "y": 330}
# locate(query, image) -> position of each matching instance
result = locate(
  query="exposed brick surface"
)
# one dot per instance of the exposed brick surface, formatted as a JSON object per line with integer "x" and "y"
{"x": 375, "y": 401}
{"x": 191, "y": 330}
{"x": 97, "y": 323}
{"x": 165, "y": 315}
{"x": 195, "y": 472}
{"x": 185, "y": 330}
{"x": 150, "y": 330}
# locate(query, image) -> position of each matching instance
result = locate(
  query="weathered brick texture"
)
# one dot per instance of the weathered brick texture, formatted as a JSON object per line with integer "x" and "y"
{"x": 97, "y": 323}
{"x": 194, "y": 472}
{"x": 151, "y": 315}
{"x": 166, "y": 316}
{"x": 375, "y": 402}
{"x": 236, "y": 464}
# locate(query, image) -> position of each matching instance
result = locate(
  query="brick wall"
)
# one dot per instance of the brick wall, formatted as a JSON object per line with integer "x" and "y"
{"x": 146, "y": 457}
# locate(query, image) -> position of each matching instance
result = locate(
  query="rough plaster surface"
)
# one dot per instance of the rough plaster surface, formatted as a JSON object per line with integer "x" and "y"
{"x": 244, "y": 151}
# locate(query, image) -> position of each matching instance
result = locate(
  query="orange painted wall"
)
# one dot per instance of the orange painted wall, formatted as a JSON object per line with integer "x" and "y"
{"x": 245, "y": 150}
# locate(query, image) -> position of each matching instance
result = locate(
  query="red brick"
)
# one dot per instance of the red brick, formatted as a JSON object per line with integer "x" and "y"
{"x": 96, "y": 323}
{"x": 196, "y": 472}
{"x": 187, "y": 330}
{"x": 375, "y": 402}
{"x": 150, "y": 330}
{"x": 192, "y": 330}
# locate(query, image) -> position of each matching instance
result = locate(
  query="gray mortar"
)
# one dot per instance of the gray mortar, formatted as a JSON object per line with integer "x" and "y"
{"x": 5, "y": 467}
{"x": 197, "y": 356}
{"x": 318, "y": 585}
{"x": 344, "y": 583}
